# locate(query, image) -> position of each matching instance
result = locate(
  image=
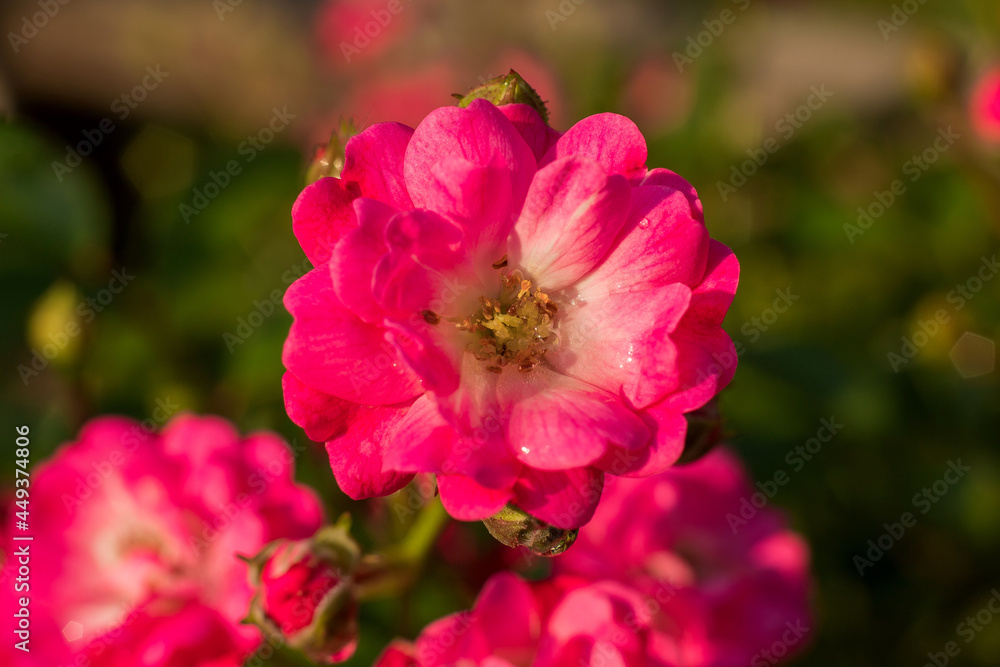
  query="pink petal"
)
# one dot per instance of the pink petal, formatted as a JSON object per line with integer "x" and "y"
{"x": 320, "y": 415}
{"x": 570, "y": 425}
{"x": 486, "y": 460}
{"x": 321, "y": 215}
{"x": 374, "y": 160}
{"x": 661, "y": 243}
{"x": 535, "y": 131}
{"x": 612, "y": 140}
{"x": 675, "y": 181}
{"x": 478, "y": 133}
{"x": 786, "y": 553}
{"x": 468, "y": 501}
{"x": 501, "y": 629}
{"x": 398, "y": 654}
{"x": 426, "y": 442}
{"x": 714, "y": 295}
{"x": 452, "y": 641}
{"x": 669, "y": 429}
{"x": 570, "y": 220}
{"x": 356, "y": 454}
{"x": 334, "y": 352}
{"x": 436, "y": 364}
{"x": 622, "y": 342}
{"x": 596, "y": 611}
{"x": 421, "y": 440}
{"x": 356, "y": 255}
{"x": 478, "y": 198}
{"x": 565, "y": 498}
{"x": 195, "y": 438}
{"x": 422, "y": 244}
{"x": 706, "y": 364}
{"x": 603, "y": 623}
{"x": 707, "y": 356}
{"x": 507, "y": 614}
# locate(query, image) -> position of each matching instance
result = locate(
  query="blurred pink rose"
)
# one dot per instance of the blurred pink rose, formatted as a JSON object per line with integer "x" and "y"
{"x": 136, "y": 537}
{"x": 657, "y": 96}
{"x": 401, "y": 97}
{"x": 656, "y": 578}
{"x": 359, "y": 31}
{"x": 728, "y": 587}
{"x": 564, "y": 622}
{"x": 516, "y": 310}
{"x": 985, "y": 106}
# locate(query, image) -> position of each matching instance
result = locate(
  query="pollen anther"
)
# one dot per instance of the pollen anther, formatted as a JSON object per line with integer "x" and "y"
{"x": 515, "y": 328}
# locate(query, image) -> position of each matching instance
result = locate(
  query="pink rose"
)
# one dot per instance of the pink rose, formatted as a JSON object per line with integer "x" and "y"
{"x": 360, "y": 31}
{"x": 657, "y": 578}
{"x": 405, "y": 96}
{"x": 515, "y": 310}
{"x": 726, "y": 587}
{"x": 563, "y": 622}
{"x": 136, "y": 536}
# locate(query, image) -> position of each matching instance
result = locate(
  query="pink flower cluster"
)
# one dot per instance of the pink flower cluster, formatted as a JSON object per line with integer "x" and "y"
{"x": 665, "y": 586}
{"x": 135, "y": 541}
{"x": 516, "y": 310}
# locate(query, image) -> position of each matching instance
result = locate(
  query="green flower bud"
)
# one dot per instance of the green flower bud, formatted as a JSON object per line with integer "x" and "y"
{"x": 509, "y": 88}
{"x": 329, "y": 159}
{"x": 516, "y": 528}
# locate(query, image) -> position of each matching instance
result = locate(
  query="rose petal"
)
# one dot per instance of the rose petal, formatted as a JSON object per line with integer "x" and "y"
{"x": 612, "y": 140}
{"x": 570, "y": 425}
{"x": 334, "y": 352}
{"x": 355, "y": 257}
{"x": 426, "y": 442}
{"x": 570, "y": 220}
{"x": 478, "y": 198}
{"x": 565, "y": 498}
{"x": 661, "y": 243}
{"x": 535, "y": 131}
{"x": 321, "y": 215}
{"x": 374, "y": 160}
{"x": 468, "y": 501}
{"x": 479, "y": 133}
{"x": 422, "y": 244}
{"x": 356, "y": 454}
{"x": 320, "y": 415}
{"x": 622, "y": 342}
{"x": 675, "y": 181}
{"x": 669, "y": 429}
{"x": 706, "y": 354}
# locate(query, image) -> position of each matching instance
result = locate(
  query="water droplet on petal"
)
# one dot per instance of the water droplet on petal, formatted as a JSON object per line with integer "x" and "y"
{"x": 644, "y": 223}
{"x": 525, "y": 450}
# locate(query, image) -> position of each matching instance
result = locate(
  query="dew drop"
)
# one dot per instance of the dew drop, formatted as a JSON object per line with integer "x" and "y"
{"x": 644, "y": 223}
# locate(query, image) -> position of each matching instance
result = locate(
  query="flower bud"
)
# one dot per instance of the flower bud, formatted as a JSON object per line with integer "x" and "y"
{"x": 510, "y": 88}
{"x": 329, "y": 159}
{"x": 305, "y": 593}
{"x": 516, "y": 528}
